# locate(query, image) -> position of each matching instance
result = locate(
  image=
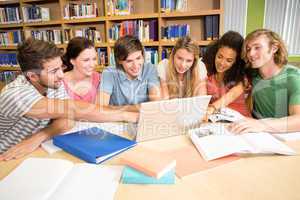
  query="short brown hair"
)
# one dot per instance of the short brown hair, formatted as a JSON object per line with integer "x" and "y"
{"x": 125, "y": 46}
{"x": 281, "y": 55}
{"x": 32, "y": 53}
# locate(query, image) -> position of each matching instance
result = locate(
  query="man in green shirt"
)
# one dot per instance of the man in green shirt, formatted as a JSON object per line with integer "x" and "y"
{"x": 276, "y": 85}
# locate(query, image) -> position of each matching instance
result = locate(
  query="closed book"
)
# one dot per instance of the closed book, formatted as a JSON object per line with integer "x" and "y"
{"x": 149, "y": 161}
{"x": 93, "y": 145}
{"x": 132, "y": 176}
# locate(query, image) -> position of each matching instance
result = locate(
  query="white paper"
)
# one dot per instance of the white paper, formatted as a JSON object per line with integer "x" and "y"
{"x": 57, "y": 179}
{"x": 288, "y": 136}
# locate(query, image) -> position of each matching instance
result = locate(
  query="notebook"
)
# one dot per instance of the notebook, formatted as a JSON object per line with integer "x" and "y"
{"x": 57, "y": 179}
{"x": 149, "y": 161}
{"x": 160, "y": 119}
{"x": 93, "y": 145}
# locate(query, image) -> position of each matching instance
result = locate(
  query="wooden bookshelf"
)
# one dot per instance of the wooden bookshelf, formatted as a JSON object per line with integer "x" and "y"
{"x": 2, "y": 68}
{"x": 148, "y": 10}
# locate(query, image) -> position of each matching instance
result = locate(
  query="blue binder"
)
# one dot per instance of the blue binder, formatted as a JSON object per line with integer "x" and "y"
{"x": 93, "y": 145}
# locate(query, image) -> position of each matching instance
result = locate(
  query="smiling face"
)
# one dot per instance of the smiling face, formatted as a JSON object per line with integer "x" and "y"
{"x": 52, "y": 74}
{"x": 86, "y": 61}
{"x": 259, "y": 53}
{"x": 225, "y": 58}
{"x": 133, "y": 64}
{"x": 183, "y": 60}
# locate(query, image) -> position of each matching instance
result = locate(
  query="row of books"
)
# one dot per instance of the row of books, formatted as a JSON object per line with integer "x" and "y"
{"x": 35, "y": 13}
{"x": 89, "y": 32}
{"x": 175, "y": 31}
{"x": 8, "y": 76}
{"x": 10, "y": 15}
{"x": 119, "y": 7}
{"x": 8, "y": 60}
{"x": 10, "y": 38}
{"x": 53, "y": 35}
{"x": 211, "y": 27}
{"x": 80, "y": 10}
{"x": 144, "y": 30}
{"x": 173, "y": 5}
{"x": 166, "y": 52}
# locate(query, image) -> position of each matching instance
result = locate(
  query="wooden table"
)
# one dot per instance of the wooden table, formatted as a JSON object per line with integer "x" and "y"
{"x": 252, "y": 177}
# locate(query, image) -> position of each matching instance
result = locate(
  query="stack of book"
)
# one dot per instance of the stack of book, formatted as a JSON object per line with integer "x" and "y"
{"x": 35, "y": 13}
{"x": 147, "y": 166}
{"x": 10, "y": 15}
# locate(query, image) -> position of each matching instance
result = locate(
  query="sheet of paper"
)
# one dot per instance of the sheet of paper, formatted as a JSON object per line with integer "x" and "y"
{"x": 89, "y": 181}
{"x": 34, "y": 179}
{"x": 287, "y": 136}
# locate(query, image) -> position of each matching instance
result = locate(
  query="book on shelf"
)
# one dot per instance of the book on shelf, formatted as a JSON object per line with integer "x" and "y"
{"x": 145, "y": 30}
{"x": 8, "y": 76}
{"x": 10, "y": 15}
{"x": 132, "y": 176}
{"x": 8, "y": 60}
{"x": 102, "y": 56}
{"x": 93, "y": 145}
{"x": 175, "y": 31}
{"x": 50, "y": 35}
{"x": 90, "y": 33}
{"x": 35, "y": 13}
{"x": 151, "y": 55}
{"x": 211, "y": 27}
{"x": 119, "y": 7}
{"x": 150, "y": 162}
{"x": 47, "y": 178}
{"x": 11, "y": 38}
{"x": 80, "y": 10}
{"x": 215, "y": 141}
{"x": 173, "y": 5}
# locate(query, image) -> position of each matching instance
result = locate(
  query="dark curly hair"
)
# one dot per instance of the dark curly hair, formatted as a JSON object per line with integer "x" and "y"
{"x": 234, "y": 41}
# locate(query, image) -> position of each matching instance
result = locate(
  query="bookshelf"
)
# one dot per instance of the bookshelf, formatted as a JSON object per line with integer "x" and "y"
{"x": 101, "y": 19}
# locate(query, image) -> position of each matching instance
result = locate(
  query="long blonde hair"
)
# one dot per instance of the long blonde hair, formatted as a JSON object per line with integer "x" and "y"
{"x": 190, "y": 77}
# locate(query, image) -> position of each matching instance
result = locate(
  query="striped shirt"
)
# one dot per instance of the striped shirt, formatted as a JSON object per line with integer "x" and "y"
{"x": 16, "y": 99}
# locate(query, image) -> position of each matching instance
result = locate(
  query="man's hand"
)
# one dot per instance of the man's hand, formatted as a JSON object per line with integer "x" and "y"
{"x": 23, "y": 148}
{"x": 248, "y": 125}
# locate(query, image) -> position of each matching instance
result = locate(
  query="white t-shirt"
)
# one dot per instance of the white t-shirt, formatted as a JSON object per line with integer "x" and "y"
{"x": 163, "y": 66}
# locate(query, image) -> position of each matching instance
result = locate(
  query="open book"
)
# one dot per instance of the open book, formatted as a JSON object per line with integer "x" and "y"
{"x": 56, "y": 179}
{"x": 214, "y": 141}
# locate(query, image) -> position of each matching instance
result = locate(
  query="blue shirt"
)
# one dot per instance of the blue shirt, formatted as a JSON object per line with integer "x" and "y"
{"x": 124, "y": 91}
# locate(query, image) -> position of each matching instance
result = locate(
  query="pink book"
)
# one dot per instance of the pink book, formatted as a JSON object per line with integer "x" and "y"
{"x": 150, "y": 162}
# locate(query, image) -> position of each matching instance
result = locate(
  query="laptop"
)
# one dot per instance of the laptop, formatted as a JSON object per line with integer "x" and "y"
{"x": 166, "y": 118}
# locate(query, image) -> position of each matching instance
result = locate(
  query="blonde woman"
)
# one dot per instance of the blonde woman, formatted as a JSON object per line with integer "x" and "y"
{"x": 183, "y": 74}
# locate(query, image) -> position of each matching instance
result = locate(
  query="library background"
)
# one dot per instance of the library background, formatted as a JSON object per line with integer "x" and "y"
{"x": 157, "y": 23}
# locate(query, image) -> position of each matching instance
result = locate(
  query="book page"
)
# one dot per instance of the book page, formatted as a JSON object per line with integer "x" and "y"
{"x": 216, "y": 146}
{"x": 266, "y": 143}
{"x": 292, "y": 136}
{"x": 89, "y": 181}
{"x": 34, "y": 179}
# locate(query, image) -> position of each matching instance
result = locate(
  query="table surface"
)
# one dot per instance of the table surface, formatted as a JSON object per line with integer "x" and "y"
{"x": 251, "y": 177}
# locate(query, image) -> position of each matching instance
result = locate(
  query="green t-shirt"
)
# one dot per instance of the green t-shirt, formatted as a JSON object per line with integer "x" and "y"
{"x": 272, "y": 97}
